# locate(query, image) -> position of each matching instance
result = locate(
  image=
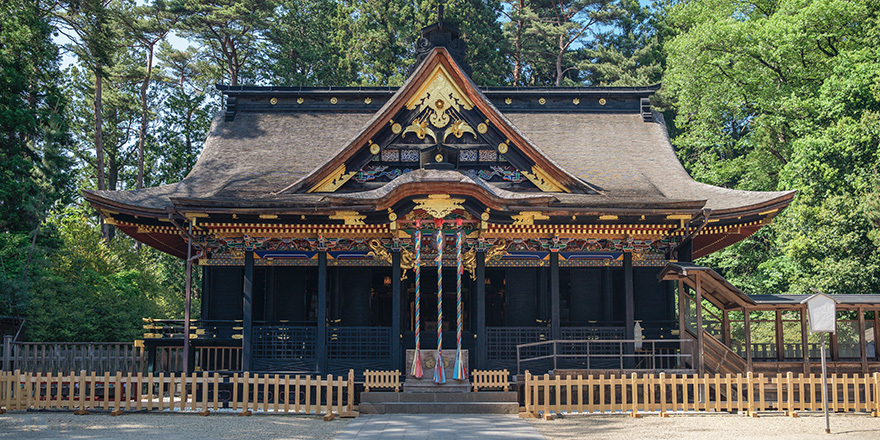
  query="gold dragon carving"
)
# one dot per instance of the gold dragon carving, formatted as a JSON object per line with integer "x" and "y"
{"x": 469, "y": 258}
{"x": 378, "y": 252}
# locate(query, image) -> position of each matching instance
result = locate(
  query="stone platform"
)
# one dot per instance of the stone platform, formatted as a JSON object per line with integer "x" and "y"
{"x": 489, "y": 402}
{"x": 423, "y": 396}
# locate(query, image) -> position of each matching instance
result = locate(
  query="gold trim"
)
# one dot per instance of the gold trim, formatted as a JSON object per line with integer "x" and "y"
{"x": 542, "y": 101}
{"x": 332, "y": 182}
{"x": 575, "y": 101}
{"x": 602, "y": 101}
{"x": 678, "y": 217}
{"x": 502, "y": 147}
{"x": 268, "y": 217}
{"x": 350, "y": 217}
{"x": 334, "y": 100}
{"x": 396, "y": 128}
{"x": 482, "y": 128}
{"x": 374, "y": 148}
{"x": 299, "y": 100}
{"x": 527, "y": 218}
{"x": 438, "y": 205}
{"x": 608, "y": 217}
{"x": 768, "y": 212}
{"x": 273, "y": 101}
{"x": 544, "y": 181}
{"x": 367, "y": 101}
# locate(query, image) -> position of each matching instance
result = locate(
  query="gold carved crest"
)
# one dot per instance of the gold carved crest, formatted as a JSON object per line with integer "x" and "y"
{"x": 439, "y": 205}
{"x": 437, "y": 95}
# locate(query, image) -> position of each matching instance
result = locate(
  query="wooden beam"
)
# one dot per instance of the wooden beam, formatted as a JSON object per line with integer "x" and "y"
{"x": 247, "y": 311}
{"x": 805, "y": 342}
{"x": 700, "y": 342}
{"x": 321, "y": 342}
{"x": 725, "y": 327}
{"x": 863, "y": 344}
{"x": 555, "y": 312}
{"x": 747, "y": 326}
{"x": 877, "y": 335}
{"x": 629, "y": 306}
{"x": 780, "y": 339}
{"x": 396, "y": 328}
{"x": 482, "y": 343}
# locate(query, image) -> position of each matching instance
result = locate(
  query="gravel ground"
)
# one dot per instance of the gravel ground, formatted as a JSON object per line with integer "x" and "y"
{"x": 57, "y": 425}
{"x": 709, "y": 426}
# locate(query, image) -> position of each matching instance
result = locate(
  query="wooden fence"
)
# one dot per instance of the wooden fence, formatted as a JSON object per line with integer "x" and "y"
{"x": 663, "y": 393}
{"x": 490, "y": 379}
{"x": 57, "y": 357}
{"x": 200, "y": 392}
{"x": 381, "y": 379}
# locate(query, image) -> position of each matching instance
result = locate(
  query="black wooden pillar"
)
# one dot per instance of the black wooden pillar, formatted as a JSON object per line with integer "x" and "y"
{"x": 321, "y": 336}
{"x": 395, "y": 310}
{"x": 247, "y": 311}
{"x": 607, "y": 295}
{"x": 482, "y": 343}
{"x": 686, "y": 251}
{"x": 555, "y": 315}
{"x": 629, "y": 298}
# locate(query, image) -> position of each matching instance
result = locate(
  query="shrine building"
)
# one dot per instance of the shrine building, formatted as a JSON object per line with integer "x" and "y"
{"x": 326, "y": 220}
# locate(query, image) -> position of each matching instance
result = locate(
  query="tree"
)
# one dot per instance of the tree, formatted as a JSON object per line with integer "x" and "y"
{"x": 88, "y": 26}
{"x": 229, "y": 29}
{"x": 147, "y": 25}
{"x": 544, "y": 32}
{"x": 783, "y": 95}
{"x": 33, "y": 120}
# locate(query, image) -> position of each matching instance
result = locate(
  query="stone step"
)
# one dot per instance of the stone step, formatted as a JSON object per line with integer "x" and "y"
{"x": 483, "y": 396}
{"x": 427, "y": 386}
{"x": 440, "y": 408}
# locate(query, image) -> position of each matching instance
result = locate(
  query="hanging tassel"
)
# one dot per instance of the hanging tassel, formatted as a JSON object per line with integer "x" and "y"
{"x": 417, "y": 358}
{"x": 458, "y": 372}
{"x": 439, "y": 374}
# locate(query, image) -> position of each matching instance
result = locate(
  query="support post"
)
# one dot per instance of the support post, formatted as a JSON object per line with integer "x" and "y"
{"x": 725, "y": 327}
{"x": 482, "y": 345}
{"x": 805, "y": 342}
{"x": 607, "y": 294}
{"x": 395, "y": 310}
{"x": 187, "y": 305}
{"x": 629, "y": 296}
{"x": 699, "y": 311}
{"x": 682, "y": 317}
{"x": 780, "y": 340}
{"x": 747, "y": 327}
{"x": 555, "y": 315}
{"x": 863, "y": 344}
{"x": 321, "y": 336}
{"x": 7, "y": 353}
{"x": 247, "y": 311}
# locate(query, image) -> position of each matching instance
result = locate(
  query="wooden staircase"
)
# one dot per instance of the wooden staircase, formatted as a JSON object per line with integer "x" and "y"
{"x": 719, "y": 358}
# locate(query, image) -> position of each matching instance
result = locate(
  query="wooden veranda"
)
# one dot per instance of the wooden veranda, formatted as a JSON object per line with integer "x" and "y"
{"x": 710, "y": 308}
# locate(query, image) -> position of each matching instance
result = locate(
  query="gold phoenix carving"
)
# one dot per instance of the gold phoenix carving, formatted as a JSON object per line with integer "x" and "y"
{"x": 458, "y": 129}
{"x": 420, "y": 128}
{"x": 438, "y": 205}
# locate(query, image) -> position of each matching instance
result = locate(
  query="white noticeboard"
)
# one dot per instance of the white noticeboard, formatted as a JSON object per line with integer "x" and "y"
{"x": 822, "y": 310}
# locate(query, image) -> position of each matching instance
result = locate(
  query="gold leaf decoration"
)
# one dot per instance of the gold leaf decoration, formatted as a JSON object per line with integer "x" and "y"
{"x": 458, "y": 129}
{"x": 544, "y": 181}
{"x": 349, "y": 217}
{"x": 396, "y": 128}
{"x": 438, "y": 205}
{"x": 420, "y": 128}
{"x": 527, "y": 218}
{"x": 482, "y": 128}
{"x": 437, "y": 95}
{"x": 335, "y": 180}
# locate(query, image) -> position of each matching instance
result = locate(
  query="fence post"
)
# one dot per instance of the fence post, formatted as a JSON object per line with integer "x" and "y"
{"x": 7, "y": 353}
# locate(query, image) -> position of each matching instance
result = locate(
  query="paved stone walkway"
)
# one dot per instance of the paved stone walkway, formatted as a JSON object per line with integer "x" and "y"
{"x": 439, "y": 426}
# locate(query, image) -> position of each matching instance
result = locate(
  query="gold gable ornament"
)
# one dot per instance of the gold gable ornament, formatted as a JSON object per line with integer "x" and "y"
{"x": 544, "y": 181}
{"x": 335, "y": 180}
{"x": 438, "y": 94}
{"x": 438, "y": 205}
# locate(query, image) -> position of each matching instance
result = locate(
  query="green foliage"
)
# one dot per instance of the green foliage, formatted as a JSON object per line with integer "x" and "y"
{"x": 33, "y": 124}
{"x": 88, "y": 290}
{"x": 785, "y": 95}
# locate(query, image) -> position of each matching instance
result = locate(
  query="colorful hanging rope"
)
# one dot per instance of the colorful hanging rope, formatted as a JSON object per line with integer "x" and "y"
{"x": 439, "y": 374}
{"x": 458, "y": 371}
{"x": 417, "y": 357}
